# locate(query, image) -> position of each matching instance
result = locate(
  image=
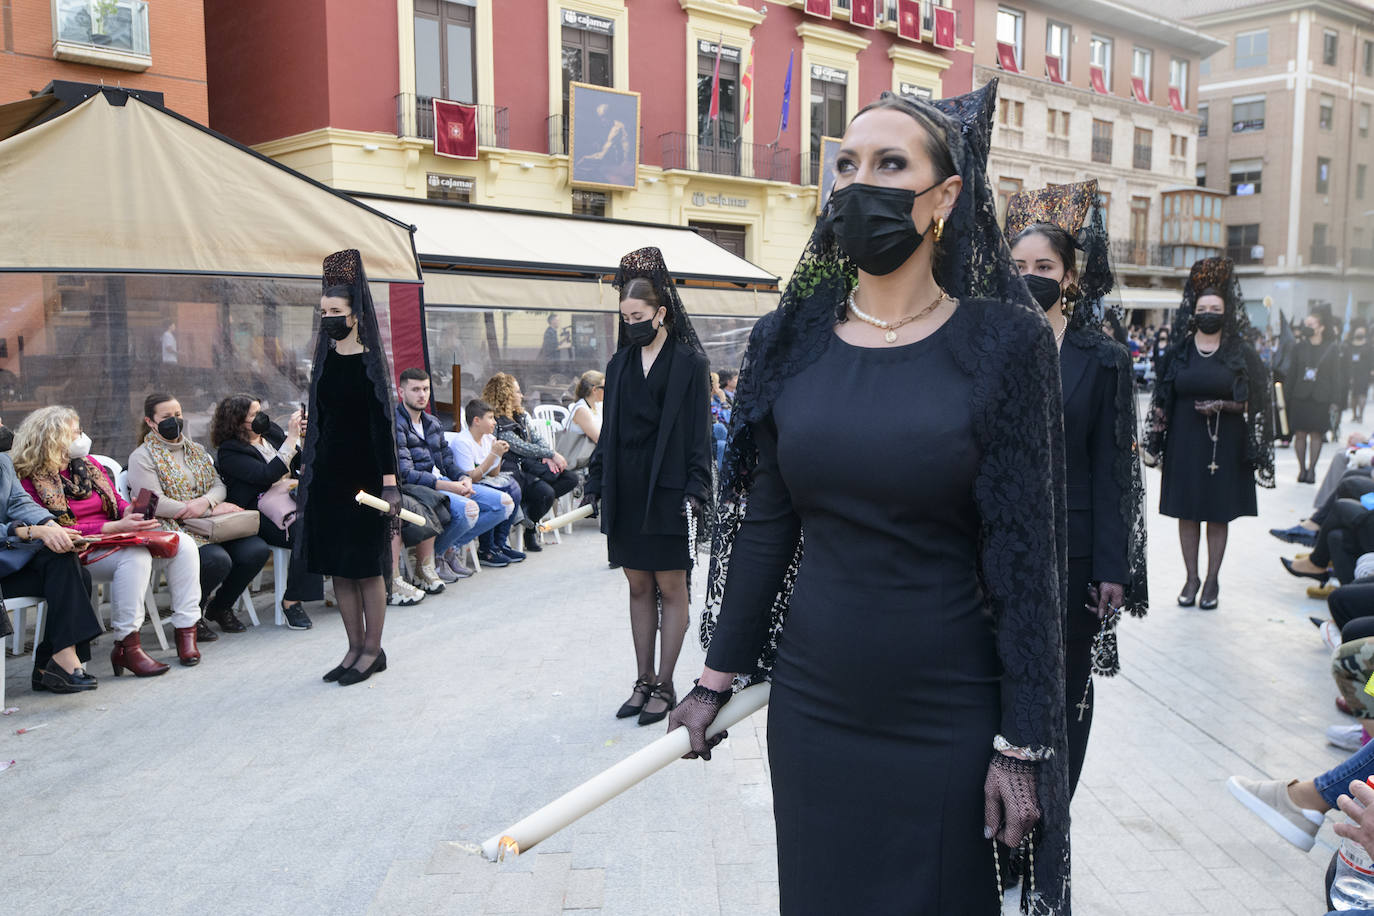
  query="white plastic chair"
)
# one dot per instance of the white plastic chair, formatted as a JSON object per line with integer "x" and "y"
{"x": 19, "y": 607}
{"x": 149, "y": 607}
{"x": 552, "y": 413}
{"x": 281, "y": 565}
{"x": 245, "y": 604}
{"x": 469, "y": 551}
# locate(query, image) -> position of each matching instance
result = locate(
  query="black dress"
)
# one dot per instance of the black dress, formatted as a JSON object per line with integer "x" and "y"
{"x": 887, "y": 683}
{"x": 639, "y": 404}
{"x": 356, "y": 446}
{"x": 1313, "y": 386}
{"x": 1188, "y": 487}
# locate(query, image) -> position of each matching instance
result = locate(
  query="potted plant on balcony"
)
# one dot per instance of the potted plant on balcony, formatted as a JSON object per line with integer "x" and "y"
{"x": 103, "y": 13}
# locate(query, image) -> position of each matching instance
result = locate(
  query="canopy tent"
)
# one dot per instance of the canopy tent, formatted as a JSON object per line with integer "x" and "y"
{"x": 140, "y": 251}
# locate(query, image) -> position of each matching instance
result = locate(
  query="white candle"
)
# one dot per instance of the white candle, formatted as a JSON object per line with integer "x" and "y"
{"x": 365, "y": 498}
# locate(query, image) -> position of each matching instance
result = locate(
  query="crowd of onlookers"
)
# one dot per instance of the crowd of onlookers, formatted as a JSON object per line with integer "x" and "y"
{"x": 201, "y": 521}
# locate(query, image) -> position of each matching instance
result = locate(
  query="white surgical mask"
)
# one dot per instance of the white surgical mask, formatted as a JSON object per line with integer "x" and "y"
{"x": 80, "y": 447}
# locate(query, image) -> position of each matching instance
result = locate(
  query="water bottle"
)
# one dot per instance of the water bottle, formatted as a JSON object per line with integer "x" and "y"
{"x": 1353, "y": 887}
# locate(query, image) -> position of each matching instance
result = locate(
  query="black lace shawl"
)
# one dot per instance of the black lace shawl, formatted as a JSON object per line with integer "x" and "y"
{"x": 1001, "y": 339}
{"x": 1252, "y": 386}
{"x": 345, "y": 268}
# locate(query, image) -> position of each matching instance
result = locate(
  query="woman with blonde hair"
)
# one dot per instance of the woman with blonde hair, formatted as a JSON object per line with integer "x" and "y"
{"x": 541, "y": 471}
{"x": 52, "y": 459}
{"x": 583, "y": 431}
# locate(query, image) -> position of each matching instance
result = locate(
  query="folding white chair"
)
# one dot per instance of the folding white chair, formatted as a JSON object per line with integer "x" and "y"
{"x": 281, "y": 565}
{"x": 552, "y": 413}
{"x": 19, "y": 607}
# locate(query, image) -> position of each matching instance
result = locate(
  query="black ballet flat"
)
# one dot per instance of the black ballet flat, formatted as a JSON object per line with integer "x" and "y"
{"x": 1288, "y": 565}
{"x": 333, "y": 674}
{"x": 1188, "y": 597}
{"x": 643, "y": 687}
{"x": 667, "y": 694}
{"x": 354, "y": 676}
{"x": 1209, "y": 603}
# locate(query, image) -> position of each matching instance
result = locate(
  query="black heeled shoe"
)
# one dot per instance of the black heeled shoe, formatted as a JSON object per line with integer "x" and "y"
{"x": 1288, "y": 565}
{"x": 59, "y": 681}
{"x": 643, "y": 688}
{"x": 1188, "y": 597}
{"x": 354, "y": 676}
{"x": 1208, "y": 602}
{"x": 667, "y": 694}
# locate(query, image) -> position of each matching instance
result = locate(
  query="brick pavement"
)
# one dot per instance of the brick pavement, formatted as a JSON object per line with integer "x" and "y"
{"x": 248, "y": 786}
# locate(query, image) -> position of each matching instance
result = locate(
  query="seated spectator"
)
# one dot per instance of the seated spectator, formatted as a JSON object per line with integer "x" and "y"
{"x": 720, "y": 417}
{"x": 40, "y": 560}
{"x": 252, "y": 455}
{"x": 1346, "y": 533}
{"x": 729, "y": 378}
{"x": 424, "y": 461}
{"x": 579, "y": 438}
{"x": 477, "y": 452}
{"x": 52, "y": 459}
{"x": 1348, "y": 477}
{"x": 182, "y": 474}
{"x": 542, "y": 473}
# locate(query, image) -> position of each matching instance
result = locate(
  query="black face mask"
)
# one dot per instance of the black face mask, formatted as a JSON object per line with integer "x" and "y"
{"x": 170, "y": 428}
{"x": 1045, "y": 290}
{"x": 873, "y": 225}
{"x": 641, "y": 333}
{"x": 336, "y": 326}
{"x": 261, "y": 423}
{"x": 1210, "y": 322}
{"x": 6, "y": 438}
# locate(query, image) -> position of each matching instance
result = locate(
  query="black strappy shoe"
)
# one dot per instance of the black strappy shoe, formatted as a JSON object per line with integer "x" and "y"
{"x": 667, "y": 694}
{"x": 643, "y": 687}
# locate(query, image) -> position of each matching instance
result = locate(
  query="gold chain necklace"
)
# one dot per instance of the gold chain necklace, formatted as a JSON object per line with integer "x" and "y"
{"x": 891, "y": 327}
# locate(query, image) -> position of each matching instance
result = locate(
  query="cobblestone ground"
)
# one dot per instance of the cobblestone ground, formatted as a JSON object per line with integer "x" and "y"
{"x": 247, "y": 785}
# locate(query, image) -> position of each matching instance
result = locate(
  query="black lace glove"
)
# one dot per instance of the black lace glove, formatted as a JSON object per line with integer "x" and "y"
{"x": 594, "y": 501}
{"x": 1010, "y": 808}
{"x": 696, "y": 712}
{"x": 1105, "y": 598}
{"x": 391, "y": 495}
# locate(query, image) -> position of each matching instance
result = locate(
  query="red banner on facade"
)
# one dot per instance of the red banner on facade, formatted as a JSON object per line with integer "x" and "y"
{"x": 1052, "y": 70}
{"x": 1006, "y": 57}
{"x": 455, "y": 130}
{"x": 1098, "y": 80}
{"x": 909, "y": 19}
{"x": 861, "y": 13}
{"x": 1138, "y": 90}
{"x": 1175, "y": 99}
{"x": 944, "y": 27}
{"x": 818, "y": 8}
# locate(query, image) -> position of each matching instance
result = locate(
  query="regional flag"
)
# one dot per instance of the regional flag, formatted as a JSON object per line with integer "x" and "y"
{"x": 861, "y": 12}
{"x": 909, "y": 19}
{"x": 747, "y": 81}
{"x": 455, "y": 129}
{"x": 944, "y": 27}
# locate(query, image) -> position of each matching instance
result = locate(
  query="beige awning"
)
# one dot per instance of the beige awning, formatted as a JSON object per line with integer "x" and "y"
{"x": 1147, "y": 297}
{"x": 479, "y": 290}
{"x": 494, "y": 239}
{"x": 134, "y": 188}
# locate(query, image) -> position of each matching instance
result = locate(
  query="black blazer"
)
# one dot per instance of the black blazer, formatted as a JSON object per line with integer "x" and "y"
{"x": 682, "y": 451}
{"x": 246, "y": 474}
{"x": 1097, "y": 528}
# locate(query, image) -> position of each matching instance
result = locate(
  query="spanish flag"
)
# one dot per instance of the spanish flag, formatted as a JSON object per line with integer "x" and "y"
{"x": 747, "y": 80}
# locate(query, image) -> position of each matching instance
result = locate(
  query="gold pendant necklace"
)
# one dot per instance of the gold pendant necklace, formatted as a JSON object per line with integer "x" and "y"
{"x": 891, "y": 327}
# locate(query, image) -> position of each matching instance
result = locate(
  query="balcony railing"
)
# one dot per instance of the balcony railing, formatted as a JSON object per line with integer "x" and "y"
{"x": 1362, "y": 257}
{"x": 1243, "y": 254}
{"x": 557, "y": 129}
{"x": 725, "y": 157}
{"x": 1247, "y": 125}
{"x": 111, "y": 33}
{"x": 1323, "y": 254}
{"x": 1135, "y": 253}
{"x": 1102, "y": 150}
{"x": 1142, "y": 157}
{"x": 1057, "y": 146}
{"x": 415, "y": 118}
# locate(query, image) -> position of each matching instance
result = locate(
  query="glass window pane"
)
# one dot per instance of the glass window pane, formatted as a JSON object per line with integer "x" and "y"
{"x": 460, "y": 63}
{"x": 599, "y": 68}
{"x": 427, "y": 80}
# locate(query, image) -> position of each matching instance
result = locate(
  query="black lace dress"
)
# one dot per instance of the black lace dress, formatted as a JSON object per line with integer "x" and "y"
{"x": 888, "y": 688}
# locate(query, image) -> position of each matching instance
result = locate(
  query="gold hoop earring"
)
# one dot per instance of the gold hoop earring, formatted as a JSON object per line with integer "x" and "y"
{"x": 939, "y": 228}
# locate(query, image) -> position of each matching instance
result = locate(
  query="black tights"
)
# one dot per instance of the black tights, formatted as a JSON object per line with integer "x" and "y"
{"x": 362, "y": 605}
{"x": 1300, "y": 442}
{"x": 1190, "y": 538}
{"x": 646, "y": 590}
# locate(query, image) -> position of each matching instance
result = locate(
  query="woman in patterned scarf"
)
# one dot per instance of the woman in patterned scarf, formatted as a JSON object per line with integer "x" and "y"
{"x": 182, "y": 474}
{"x": 52, "y": 459}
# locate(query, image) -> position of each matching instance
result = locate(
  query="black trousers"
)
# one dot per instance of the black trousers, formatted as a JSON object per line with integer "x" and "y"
{"x": 541, "y": 488}
{"x": 1345, "y": 534}
{"x": 1352, "y": 485}
{"x": 1350, "y": 603}
{"x": 301, "y": 583}
{"x": 1080, "y": 628}
{"x": 61, "y": 580}
{"x": 1360, "y": 627}
{"x": 230, "y": 567}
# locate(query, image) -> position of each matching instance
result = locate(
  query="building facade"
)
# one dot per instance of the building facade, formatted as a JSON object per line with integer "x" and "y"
{"x": 131, "y": 43}
{"x": 1286, "y": 136}
{"x": 1099, "y": 89}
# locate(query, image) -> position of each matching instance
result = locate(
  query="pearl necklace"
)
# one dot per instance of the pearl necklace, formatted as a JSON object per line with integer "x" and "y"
{"x": 891, "y": 327}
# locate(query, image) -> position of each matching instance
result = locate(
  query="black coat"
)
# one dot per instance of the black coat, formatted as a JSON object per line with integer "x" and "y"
{"x": 246, "y": 474}
{"x": 1097, "y": 527}
{"x": 682, "y": 451}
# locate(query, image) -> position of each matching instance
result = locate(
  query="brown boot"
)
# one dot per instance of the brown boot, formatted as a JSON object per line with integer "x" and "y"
{"x": 186, "y": 646}
{"x": 128, "y": 653}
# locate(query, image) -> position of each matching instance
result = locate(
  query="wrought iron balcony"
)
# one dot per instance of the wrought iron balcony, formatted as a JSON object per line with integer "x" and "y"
{"x": 1142, "y": 157}
{"x": 1323, "y": 254}
{"x": 1243, "y": 254}
{"x": 1362, "y": 257}
{"x": 1102, "y": 150}
{"x": 726, "y": 157}
{"x": 557, "y": 127}
{"x": 415, "y": 118}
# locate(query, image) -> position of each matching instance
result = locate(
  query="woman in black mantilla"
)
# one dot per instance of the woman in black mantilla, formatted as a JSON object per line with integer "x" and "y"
{"x": 653, "y": 458}
{"x": 1315, "y": 388}
{"x": 350, "y": 446}
{"x": 918, "y": 681}
{"x": 1106, "y": 497}
{"x": 1210, "y": 425}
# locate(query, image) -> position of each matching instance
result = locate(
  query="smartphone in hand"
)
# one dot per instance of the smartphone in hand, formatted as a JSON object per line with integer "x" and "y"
{"x": 145, "y": 503}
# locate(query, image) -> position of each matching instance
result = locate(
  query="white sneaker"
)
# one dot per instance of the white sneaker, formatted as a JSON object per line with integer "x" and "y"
{"x": 1331, "y": 635}
{"x": 1345, "y": 737}
{"x": 429, "y": 579}
{"x": 403, "y": 594}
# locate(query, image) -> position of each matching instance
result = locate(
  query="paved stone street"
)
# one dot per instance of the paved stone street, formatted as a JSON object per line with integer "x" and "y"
{"x": 247, "y": 785}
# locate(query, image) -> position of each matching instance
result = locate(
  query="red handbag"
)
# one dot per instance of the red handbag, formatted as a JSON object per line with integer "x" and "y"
{"x": 161, "y": 544}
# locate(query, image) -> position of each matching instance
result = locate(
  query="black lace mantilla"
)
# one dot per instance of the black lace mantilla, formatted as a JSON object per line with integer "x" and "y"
{"x": 1002, "y": 341}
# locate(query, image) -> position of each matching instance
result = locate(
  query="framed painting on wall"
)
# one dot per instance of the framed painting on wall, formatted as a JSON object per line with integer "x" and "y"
{"x": 603, "y": 137}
